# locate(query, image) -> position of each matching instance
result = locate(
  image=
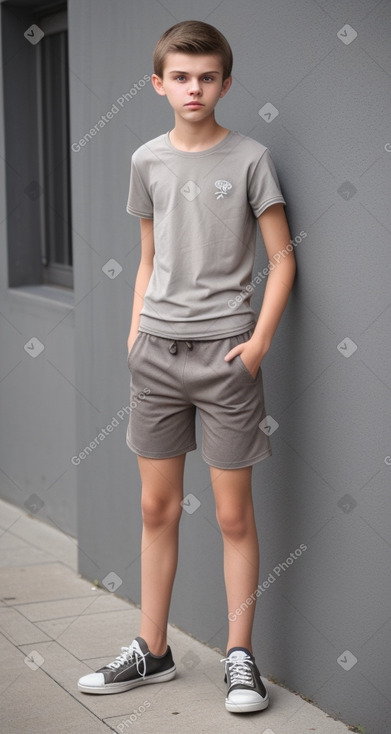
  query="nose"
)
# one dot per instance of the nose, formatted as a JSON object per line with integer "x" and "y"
{"x": 194, "y": 87}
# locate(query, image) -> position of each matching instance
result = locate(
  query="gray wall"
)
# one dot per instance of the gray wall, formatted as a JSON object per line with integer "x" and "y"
{"x": 37, "y": 393}
{"x": 326, "y": 487}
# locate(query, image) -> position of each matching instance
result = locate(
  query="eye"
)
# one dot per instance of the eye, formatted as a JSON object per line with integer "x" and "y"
{"x": 179, "y": 78}
{"x": 208, "y": 78}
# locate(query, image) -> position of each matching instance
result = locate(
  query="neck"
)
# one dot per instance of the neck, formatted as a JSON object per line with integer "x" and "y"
{"x": 195, "y": 136}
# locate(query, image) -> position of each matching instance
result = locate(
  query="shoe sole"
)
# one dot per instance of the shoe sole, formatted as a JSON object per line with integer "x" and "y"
{"x": 246, "y": 707}
{"x": 128, "y": 685}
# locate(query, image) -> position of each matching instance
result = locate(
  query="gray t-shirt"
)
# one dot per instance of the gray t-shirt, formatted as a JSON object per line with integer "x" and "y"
{"x": 204, "y": 206}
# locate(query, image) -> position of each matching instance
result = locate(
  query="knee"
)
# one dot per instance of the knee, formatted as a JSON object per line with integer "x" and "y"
{"x": 232, "y": 525}
{"x": 159, "y": 511}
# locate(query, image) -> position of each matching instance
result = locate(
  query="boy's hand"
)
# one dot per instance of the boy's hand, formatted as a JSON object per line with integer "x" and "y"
{"x": 130, "y": 342}
{"x": 251, "y": 355}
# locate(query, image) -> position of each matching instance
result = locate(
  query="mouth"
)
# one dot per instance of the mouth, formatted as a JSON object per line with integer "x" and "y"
{"x": 194, "y": 104}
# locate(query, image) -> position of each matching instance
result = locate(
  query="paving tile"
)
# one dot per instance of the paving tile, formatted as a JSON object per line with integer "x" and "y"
{"x": 100, "y": 635}
{"x": 18, "y": 629}
{"x": 59, "y": 663}
{"x": 42, "y": 583}
{"x": 12, "y": 665}
{"x": 33, "y": 702}
{"x": 98, "y": 602}
{"x": 36, "y": 704}
{"x": 57, "y": 629}
{"x": 9, "y": 514}
{"x": 26, "y": 555}
{"x": 9, "y": 540}
{"x": 195, "y": 714}
{"x": 47, "y": 538}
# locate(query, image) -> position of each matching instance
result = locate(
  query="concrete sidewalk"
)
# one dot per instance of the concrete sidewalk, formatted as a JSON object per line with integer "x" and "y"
{"x": 55, "y": 627}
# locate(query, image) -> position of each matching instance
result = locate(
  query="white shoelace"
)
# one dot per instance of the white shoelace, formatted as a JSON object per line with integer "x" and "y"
{"x": 239, "y": 670}
{"x": 128, "y": 654}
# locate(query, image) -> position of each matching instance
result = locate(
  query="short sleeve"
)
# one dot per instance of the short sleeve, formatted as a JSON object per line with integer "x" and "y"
{"x": 264, "y": 188}
{"x": 139, "y": 201}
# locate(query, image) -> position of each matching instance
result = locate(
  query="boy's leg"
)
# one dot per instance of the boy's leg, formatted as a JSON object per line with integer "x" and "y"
{"x": 235, "y": 515}
{"x": 148, "y": 659}
{"x": 162, "y": 493}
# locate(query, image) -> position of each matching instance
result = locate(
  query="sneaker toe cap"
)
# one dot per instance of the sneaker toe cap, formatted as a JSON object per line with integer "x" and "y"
{"x": 241, "y": 697}
{"x": 93, "y": 680}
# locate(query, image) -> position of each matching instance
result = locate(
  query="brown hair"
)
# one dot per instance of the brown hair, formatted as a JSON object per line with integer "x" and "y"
{"x": 192, "y": 37}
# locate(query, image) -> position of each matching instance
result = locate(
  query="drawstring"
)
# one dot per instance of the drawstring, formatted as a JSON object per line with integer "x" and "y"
{"x": 173, "y": 348}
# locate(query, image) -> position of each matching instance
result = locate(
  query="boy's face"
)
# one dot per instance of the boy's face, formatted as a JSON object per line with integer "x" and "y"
{"x": 192, "y": 84}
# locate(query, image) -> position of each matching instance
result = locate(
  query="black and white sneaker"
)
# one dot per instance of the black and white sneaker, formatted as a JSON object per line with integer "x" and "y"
{"x": 246, "y": 691}
{"x": 135, "y": 666}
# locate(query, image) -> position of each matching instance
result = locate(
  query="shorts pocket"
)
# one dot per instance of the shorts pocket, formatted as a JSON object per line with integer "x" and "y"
{"x": 245, "y": 370}
{"x": 242, "y": 339}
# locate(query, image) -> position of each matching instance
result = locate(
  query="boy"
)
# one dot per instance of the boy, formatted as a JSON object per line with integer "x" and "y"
{"x": 195, "y": 343}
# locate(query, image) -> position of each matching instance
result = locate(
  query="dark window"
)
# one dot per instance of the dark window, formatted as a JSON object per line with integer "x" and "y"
{"x": 52, "y": 83}
{"x": 54, "y": 147}
{"x": 37, "y": 142}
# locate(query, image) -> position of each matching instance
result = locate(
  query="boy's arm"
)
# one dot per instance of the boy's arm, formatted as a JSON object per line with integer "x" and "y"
{"x": 276, "y": 236}
{"x": 143, "y": 276}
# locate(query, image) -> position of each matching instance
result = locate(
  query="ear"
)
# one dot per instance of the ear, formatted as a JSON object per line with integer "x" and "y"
{"x": 157, "y": 83}
{"x": 226, "y": 85}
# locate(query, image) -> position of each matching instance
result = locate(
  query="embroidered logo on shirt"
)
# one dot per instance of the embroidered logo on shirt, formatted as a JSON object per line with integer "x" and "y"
{"x": 223, "y": 188}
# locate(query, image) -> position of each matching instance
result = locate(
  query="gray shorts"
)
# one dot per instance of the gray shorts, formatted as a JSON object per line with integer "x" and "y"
{"x": 171, "y": 379}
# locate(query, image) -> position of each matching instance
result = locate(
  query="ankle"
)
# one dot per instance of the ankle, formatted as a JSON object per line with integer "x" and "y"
{"x": 155, "y": 646}
{"x": 239, "y": 644}
{"x": 158, "y": 650}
